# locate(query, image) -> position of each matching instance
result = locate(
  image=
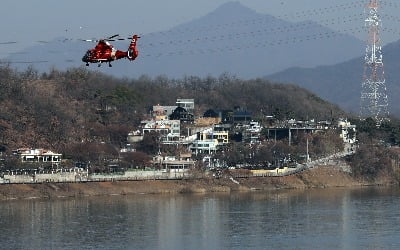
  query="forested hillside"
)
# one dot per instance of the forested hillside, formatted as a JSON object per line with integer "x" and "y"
{"x": 58, "y": 109}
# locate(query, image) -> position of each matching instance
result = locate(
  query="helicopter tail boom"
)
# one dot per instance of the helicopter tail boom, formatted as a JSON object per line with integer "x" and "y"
{"x": 132, "y": 50}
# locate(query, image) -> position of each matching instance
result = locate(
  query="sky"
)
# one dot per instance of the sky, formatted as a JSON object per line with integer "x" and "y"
{"x": 28, "y": 21}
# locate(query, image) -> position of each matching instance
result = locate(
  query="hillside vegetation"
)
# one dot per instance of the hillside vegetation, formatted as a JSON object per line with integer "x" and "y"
{"x": 57, "y": 109}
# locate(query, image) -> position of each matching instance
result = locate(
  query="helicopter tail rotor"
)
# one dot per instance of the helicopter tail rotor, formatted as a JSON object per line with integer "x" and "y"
{"x": 132, "y": 50}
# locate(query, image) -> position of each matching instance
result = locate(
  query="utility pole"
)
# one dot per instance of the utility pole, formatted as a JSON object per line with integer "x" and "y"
{"x": 374, "y": 100}
{"x": 308, "y": 155}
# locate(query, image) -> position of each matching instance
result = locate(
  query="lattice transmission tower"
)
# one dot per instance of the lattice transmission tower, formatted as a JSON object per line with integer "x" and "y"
{"x": 374, "y": 99}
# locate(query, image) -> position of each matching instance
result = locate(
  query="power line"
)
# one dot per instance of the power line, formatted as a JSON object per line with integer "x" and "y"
{"x": 265, "y": 19}
{"x": 293, "y": 27}
{"x": 270, "y": 43}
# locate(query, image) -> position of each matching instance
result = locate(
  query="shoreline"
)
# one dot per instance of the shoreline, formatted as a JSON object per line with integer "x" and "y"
{"x": 321, "y": 177}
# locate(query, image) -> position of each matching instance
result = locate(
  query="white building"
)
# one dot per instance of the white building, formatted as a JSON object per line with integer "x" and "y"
{"x": 135, "y": 136}
{"x": 209, "y": 141}
{"x": 348, "y": 131}
{"x": 184, "y": 162}
{"x": 252, "y": 132}
{"x": 170, "y": 130}
{"x": 187, "y": 104}
{"x": 38, "y": 155}
{"x": 165, "y": 127}
{"x": 204, "y": 146}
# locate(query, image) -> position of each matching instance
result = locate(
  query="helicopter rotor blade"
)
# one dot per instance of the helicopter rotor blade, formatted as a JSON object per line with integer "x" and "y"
{"x": 22, "y": 62}
{"x": 90, "y": 40}
{"x": 113, "y": 36}
{"x": 8, "y": 42}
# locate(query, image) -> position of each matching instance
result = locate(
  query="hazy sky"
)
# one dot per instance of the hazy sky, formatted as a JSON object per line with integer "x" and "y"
{"x": 27, "y": 21}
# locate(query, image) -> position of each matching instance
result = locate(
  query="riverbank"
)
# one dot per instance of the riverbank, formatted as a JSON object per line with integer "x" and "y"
{"x": 321, "y": 177}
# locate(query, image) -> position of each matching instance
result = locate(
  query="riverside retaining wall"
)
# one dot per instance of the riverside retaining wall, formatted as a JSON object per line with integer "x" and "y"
{"x": 83, "y": 176}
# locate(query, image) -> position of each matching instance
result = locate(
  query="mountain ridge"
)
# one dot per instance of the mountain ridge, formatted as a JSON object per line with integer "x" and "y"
{"x": 341, "y": 83}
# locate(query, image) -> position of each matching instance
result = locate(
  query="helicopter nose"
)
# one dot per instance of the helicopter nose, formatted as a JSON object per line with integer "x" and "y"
{"x": 84, "y": 59}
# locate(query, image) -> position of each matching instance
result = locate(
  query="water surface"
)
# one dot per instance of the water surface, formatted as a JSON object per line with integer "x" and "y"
{"x": 366, "y": 218}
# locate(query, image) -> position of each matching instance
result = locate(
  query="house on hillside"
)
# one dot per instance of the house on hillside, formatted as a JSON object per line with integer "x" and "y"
{"x": 177, "y": 164}
{"x": 38, "y": 155}
{"x": 238, "y": 115}
{"x": 181, "y": 114}
{"x": 187, "y": 104}
{"x": 209, "y": 141}
{"x": 135, "y": 136}
{"x": 162, "y": 112}
{"x": 252, "y": 132}
{"x": 348, "y": 131}
{"x": 242, "y": 116}
{"x": 168, "y": 130}
{"x": 164, "y": 127}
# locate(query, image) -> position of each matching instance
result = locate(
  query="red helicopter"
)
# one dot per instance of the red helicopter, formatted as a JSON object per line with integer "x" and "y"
{"x": 105, "y": 52}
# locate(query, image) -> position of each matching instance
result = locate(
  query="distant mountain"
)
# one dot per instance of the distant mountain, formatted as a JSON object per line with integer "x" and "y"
{"x": 231, "y": 39}
{"x": 341, "y": 83}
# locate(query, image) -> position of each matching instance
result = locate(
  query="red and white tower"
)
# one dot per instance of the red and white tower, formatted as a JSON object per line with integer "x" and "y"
{"x": 374, "y": 100}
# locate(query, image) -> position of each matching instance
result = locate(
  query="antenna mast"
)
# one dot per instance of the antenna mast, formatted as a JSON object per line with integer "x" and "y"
{"x": 374, "y": 100}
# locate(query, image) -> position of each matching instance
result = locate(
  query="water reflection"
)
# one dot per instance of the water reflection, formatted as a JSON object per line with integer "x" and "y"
{"x": 300, "y": 219}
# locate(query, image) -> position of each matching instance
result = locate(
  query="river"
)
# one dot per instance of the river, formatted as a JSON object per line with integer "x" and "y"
{"x": 367, "y": 218}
